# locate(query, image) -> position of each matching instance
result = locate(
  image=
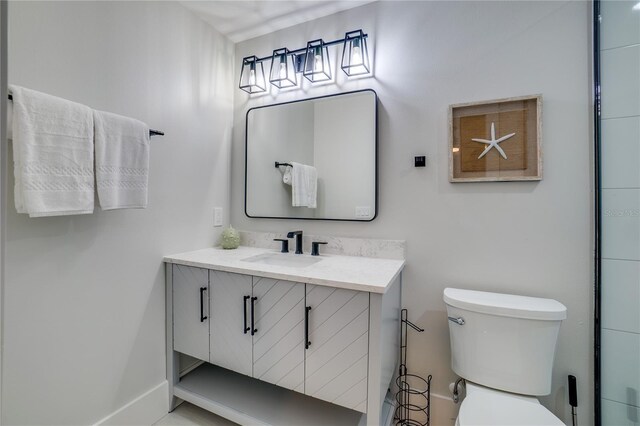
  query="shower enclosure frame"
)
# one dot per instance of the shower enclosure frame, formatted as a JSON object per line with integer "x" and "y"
{"x": 598, "y": 208}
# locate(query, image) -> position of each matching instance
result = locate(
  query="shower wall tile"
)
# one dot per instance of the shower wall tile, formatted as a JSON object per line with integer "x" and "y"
{"x": 620, "y": 153}
{"x": 620, "y": 82}
{"x": 620, "y": 238}
{"x": 621, "y": 224}
{"x": 617, "y": 414}
{"x": 621, "y": 295}
{"x": 620, "y": 24}
{"x": 621, "y": 369}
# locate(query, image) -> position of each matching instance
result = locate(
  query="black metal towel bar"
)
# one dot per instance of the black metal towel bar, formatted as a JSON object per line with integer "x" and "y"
{"x": 151, "y": 131}
{"x": 283, "y": 164}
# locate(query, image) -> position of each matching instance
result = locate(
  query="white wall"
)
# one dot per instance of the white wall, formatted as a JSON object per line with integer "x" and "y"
{"x": 524, "y": 238}
{"x": 84, "y": 321}
{"x": 3, "y": 164}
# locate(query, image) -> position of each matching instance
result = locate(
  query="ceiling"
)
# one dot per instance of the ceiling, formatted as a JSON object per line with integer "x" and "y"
{"x": 241, "y": 20}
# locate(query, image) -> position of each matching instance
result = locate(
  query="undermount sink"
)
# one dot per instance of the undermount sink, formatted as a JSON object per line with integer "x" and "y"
{"x": 283, "y": 259}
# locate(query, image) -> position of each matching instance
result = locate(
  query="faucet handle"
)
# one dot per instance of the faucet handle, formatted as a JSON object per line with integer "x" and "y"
{"x": 285, "y": 245}
{"x": 315, "y": 247}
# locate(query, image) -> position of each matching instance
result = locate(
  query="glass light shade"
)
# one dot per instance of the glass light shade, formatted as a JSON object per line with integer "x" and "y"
{"x": 282, "y": 73}
{"x": 355, "y": 55}
{"x": 316, "y": 62}
{"x": 252, "y": 75}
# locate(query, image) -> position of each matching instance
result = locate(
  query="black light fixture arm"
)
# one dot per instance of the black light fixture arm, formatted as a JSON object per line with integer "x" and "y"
{"x": 151, "y": 131}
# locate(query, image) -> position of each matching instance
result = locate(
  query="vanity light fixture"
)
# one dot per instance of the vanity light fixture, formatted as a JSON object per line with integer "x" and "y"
{"x": 355, "y": 55}
{"x": 312, "y": 61}
{"x": 252, "y": 75}
{"x": 317, "y": 66}
{"x": 282, "y": 73}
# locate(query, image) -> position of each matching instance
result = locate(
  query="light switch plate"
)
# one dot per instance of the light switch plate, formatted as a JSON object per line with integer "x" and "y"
{"x": 217, "y": 216}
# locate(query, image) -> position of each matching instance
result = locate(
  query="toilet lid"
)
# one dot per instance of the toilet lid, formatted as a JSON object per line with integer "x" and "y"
{"x": 492, "y": 409}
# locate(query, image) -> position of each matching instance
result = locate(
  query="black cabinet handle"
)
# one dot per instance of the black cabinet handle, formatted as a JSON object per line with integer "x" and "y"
{"x": 253, "y": 308}
{"x": 202, "y": 317}
{"x": 307, "y": 343}
{"x": 245, "y": 313}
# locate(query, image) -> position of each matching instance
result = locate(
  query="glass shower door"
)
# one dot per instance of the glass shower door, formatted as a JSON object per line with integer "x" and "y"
{"x": 618, "y": 50}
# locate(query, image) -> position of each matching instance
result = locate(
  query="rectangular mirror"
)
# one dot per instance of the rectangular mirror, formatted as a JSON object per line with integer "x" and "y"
{"x": 336, "y": 135}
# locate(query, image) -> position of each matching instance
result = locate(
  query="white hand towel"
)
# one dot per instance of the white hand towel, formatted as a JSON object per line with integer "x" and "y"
{"x": 52, "y": 155}
{"x": 304, "y": 185}
{"x": 122, "y": 161}
{"x": 286, "y": 175}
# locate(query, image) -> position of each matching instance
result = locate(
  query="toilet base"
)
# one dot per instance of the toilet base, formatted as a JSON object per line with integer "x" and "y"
{"x": 484, "y": 406}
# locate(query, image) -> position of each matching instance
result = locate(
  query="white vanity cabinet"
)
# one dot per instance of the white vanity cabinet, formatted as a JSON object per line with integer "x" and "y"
{"x": 190, "y": 306}
{"x": 257, "y": 328}
{"x": 283, "y": 352}
{"x": 337, "y": 351}
{"x": 278, "y": 340}
{"x": 230, "y": 338}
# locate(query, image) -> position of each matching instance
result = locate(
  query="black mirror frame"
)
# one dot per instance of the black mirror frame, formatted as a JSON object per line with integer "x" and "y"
{"x": 246, "y": 155}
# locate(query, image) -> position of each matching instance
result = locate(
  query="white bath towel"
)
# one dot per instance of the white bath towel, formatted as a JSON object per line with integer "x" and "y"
{"x": 304, "y": 185}
{"x": 122, "y": 161}
{"x": 52, "y": 154}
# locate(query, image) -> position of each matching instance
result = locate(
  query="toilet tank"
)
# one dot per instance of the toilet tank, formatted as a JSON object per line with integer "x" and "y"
{"x": 503, "y": 341}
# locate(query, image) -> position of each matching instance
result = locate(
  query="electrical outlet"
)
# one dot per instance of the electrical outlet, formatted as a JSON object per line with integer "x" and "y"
{"x": 363, "y": 211}
{"x": 217, "y": 216}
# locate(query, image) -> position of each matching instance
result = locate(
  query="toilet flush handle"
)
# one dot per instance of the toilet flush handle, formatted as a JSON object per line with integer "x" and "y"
{"x": 459, "y": 320}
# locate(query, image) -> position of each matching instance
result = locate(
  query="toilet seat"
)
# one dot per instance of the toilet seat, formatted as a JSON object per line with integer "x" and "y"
{"x": 489, "y": 407}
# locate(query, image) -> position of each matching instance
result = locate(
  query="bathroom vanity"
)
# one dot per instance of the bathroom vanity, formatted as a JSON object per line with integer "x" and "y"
{"x": 317, "y": 335}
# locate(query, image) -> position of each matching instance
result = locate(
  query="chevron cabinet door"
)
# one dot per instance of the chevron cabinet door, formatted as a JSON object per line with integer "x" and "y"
{"x": 336, "y": 361}
{"x": 190, "y": 329}
{"x": 230, "y": 342}
{"x": 278, "y": 343}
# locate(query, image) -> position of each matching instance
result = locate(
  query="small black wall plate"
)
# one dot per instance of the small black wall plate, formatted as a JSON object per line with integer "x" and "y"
{"x": 420, "y": 161}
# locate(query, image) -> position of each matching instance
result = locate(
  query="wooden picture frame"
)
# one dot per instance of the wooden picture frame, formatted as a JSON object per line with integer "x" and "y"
{"x": 497, "y": 140}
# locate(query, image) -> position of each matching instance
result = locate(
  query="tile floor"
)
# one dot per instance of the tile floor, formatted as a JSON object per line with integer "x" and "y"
{"x": 189, "y": 415}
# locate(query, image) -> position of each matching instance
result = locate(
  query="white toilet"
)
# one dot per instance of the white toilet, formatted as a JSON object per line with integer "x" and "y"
{"x": 503, "y": 346}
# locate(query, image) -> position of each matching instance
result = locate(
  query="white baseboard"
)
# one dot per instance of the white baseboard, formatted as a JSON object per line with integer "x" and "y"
{"x": 145, "y": 410}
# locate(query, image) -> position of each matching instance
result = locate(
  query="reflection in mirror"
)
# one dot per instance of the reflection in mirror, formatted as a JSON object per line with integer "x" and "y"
{"x": 335, "y": 136}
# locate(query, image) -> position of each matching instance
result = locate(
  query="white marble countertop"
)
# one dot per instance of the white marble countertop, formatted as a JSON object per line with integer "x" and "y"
{"x": 348, "y": 272}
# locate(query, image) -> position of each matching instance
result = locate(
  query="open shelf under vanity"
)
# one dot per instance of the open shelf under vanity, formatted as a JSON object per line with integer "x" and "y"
{"x": 245, "y": 400}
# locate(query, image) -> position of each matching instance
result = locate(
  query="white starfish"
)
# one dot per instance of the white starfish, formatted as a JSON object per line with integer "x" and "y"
{"x": 493, "y": 143}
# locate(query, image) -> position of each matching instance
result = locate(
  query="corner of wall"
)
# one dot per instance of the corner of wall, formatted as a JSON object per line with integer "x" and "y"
{"x": 146, "y": 409}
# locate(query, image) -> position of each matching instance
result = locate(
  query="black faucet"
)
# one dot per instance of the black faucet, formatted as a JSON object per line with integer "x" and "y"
{"x": 315, "y": 247}
{"x": 298, "y": 235}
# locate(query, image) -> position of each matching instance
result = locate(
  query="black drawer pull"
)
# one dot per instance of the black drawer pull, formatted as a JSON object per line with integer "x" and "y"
{"x": 202, "y": 317}
{"x": 253, "y": 308}
{"x": 245, "y": 313}
{"x": 307, "y": 343}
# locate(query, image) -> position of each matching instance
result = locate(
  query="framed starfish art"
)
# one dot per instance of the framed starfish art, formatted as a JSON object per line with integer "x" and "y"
{"x": 496, "y": 140}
